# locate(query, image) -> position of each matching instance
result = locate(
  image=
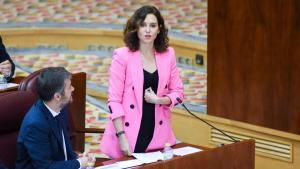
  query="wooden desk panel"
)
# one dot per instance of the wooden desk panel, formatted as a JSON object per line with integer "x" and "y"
{"x": 233, "y": 156}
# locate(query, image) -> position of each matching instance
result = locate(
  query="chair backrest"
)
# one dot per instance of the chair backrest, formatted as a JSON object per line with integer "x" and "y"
{"x": 29, "y": 83}
{"x": 76, "y": 108}
{"x": 77, "y": 111}
{"x": 13, "y": 107}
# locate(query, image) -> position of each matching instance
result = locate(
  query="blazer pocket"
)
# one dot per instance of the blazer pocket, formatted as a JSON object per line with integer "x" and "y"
{"x": 166, "y": 112}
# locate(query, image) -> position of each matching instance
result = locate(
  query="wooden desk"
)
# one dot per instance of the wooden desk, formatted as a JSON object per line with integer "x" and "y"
{"x": 233, "y": 156}
{"x": 9, "y": 89}
{"x": 16, "y": 80}
{"x": 103, "y": 161}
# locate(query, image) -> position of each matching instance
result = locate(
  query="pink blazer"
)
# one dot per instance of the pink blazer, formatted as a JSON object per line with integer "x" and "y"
{"x": 125, "y": 99}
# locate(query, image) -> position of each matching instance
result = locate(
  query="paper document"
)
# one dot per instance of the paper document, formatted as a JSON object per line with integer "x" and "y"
{"x": 110, "y": 166}
{"x": 122, "y": 164}
{"x": 148, "y": 157}
{"x": 185, "y": 150}
{"x": 7, "y": 85}
{"x": 129, "y": 163}
{"x": 145, "y": 158}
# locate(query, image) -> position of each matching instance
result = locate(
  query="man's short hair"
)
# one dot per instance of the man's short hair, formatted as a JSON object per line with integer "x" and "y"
{"x": 51, "y": 81}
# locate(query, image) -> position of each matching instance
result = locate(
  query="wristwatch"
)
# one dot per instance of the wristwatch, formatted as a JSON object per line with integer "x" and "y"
{"x": 120, "y": 133}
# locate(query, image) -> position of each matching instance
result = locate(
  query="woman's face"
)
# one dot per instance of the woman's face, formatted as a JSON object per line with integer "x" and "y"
{"x": 148, "y": 29}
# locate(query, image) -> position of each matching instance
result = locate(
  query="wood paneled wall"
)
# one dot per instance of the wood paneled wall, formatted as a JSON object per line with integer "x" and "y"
{"x": 254, "y": 62}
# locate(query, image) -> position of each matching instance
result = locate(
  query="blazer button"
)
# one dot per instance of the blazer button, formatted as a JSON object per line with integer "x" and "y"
{"x": 132, "y": 87}
{"x": 126, "y": 124}
{"x": 166, "y": 86}
{"x": 132, "y": 106}
{"x": 160, "y": 122}
{"x": 110, "y": 109}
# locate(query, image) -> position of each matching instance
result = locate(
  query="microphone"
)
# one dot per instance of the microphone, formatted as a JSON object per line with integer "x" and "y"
{"x": 180, "y": 102}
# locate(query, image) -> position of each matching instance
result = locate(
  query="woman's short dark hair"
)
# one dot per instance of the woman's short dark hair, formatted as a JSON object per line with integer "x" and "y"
{"x": 131, "y": 39}
{"x": 51, "y": 81}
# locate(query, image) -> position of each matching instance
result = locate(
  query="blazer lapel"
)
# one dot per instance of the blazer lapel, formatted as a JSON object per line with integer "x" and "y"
{"x": 57, "y": 131}
{"x": 69, "y": 149}
{"x": 136, "y": 69}
{"x": 52, "y": 123}
{"x": 161, "y": 71}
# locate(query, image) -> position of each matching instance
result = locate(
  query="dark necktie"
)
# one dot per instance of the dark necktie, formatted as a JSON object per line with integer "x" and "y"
{"x": 58, "y": 121}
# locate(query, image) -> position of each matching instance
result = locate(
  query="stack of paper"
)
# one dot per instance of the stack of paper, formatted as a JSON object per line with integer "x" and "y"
{"x": 185, "y": 150}
{"x": 148, "y": 157}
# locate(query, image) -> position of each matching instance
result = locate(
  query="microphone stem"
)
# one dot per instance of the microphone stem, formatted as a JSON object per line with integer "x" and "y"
{"x": 209, "y": 123}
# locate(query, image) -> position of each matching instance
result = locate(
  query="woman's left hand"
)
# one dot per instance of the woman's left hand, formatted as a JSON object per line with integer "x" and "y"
{"x": 150, "y": 96}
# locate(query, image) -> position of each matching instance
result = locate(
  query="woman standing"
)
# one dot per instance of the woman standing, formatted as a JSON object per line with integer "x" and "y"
{"x": 144, "y": 84}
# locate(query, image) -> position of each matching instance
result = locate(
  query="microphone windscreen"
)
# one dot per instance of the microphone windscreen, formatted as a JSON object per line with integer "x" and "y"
{"x": 179, "y": 100}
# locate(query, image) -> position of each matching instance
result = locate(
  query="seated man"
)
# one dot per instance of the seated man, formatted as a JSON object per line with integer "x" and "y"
{"x": 43, "y": 140}
{"x": 7, "y": 66}
{"x": 2, "y": 166}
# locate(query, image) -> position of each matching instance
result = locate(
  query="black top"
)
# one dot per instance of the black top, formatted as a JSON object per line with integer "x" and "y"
{"x": 148, "y": 118}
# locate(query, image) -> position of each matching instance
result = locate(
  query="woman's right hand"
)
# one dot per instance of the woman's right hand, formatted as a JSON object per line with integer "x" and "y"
{"x": 124, "y": 145}
{"x": 5, "y": 68}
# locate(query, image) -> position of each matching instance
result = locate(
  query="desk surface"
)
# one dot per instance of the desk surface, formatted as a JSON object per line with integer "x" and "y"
{"x": 12, "y": 87}
{"x": 102, "y": 161}
{"x": 16, "y": 80}
{"x": 239, "y": 155}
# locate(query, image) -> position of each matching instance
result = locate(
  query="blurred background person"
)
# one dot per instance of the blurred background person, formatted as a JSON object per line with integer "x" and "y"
{"x": 7, "y": 66}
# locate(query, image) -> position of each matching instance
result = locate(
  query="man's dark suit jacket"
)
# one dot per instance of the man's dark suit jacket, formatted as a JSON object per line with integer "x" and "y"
{"x": 4, "y": 56}
{"x": 40, "y": 143}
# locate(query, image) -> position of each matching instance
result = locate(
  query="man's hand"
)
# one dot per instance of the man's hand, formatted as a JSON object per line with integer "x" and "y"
{"x": 5, "y": 68}
{"x": 83, "y": 161}
{"x": 124, "y": 145}
{"x": 86, "y": 160}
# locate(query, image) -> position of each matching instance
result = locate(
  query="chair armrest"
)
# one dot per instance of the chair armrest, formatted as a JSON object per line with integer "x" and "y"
{"x": 90, "y": 130}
